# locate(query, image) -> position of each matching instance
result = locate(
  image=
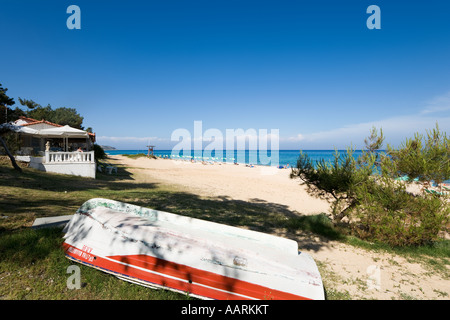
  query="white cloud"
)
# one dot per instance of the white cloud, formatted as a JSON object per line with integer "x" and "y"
{"x": 395, "y": 129}
{"x": 438, "y": 104}
{"x": 298, "y": 137}
{"x": 129, "y": 139}
{"x": 125, "y": 143}
{"x": 211, "y": 138}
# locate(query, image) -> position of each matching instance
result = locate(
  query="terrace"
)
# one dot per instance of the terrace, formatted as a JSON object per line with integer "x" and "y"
{"x": 55, "y": 148}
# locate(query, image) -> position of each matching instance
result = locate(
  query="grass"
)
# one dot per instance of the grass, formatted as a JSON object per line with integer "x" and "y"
{"x": 32, "y": 263}
{"x": 138, "y": 155}
{"x": 33, "y": 266}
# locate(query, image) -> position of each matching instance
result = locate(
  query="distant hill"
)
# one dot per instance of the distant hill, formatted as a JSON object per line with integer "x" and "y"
{"x": 108, "y": 148}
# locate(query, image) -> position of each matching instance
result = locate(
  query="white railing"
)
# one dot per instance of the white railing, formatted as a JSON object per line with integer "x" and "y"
{"x": 69, "y": 157}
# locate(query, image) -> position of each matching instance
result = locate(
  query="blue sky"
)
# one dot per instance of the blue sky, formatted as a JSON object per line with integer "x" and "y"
{"x": 138, "y": 70}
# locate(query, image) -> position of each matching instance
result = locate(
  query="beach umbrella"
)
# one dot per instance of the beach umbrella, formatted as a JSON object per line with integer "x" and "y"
{"x": 25, "y": 130}
{"x": 64, "y": 132}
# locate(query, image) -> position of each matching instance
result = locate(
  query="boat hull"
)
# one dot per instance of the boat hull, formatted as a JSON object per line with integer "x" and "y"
{"x": 205, "y": 259}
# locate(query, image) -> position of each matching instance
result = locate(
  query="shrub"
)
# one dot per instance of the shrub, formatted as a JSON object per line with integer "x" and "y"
{"x": 427, "y": 160}
{"x": 370, "y": 202}
{"x": 99, "y": 153}
{"x": 386, "y": 212}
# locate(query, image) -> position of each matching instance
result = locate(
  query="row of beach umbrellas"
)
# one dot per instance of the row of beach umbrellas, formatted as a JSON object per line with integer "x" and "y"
{"x": 201, "y": 158}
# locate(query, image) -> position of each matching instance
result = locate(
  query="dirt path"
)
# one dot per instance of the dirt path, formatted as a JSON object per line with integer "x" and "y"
{"x": 356, "y": 273}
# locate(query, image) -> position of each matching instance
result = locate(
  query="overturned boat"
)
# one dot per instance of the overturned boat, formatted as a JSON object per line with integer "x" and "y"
{"x": 205, "y": 259}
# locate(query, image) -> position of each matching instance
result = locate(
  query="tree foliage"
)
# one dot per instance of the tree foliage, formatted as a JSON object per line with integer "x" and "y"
{"x": 426, "y": 159}
{"x": 99, "y": 153}
{"x": 62, "y": 116}
{"x": 5, "y": 129}
{"x": 5, "y": 100}
{"x": 369, "y": 199}
{"x": 6, "y": 113}
{"x": 28, "y": 103}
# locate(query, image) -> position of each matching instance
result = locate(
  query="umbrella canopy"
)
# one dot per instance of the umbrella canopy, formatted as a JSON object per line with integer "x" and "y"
{"x": 26, "y": 130}
{"x": 65, "y": 131}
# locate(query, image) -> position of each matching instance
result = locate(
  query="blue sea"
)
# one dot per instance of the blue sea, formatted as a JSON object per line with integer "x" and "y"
{"x": 283, "y": 158}
{"x": 262, "y": 157}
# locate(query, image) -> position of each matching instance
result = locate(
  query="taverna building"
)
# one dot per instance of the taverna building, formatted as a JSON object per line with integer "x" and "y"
{"x": 55, "y": 148}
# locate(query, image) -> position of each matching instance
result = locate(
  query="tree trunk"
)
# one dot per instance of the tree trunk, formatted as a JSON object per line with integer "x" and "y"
{"x": 11, "y": 157}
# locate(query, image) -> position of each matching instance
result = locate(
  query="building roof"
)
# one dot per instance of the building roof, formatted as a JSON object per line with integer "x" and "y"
{"x": 25, "y": 121}
{"x": 30, "y": 121}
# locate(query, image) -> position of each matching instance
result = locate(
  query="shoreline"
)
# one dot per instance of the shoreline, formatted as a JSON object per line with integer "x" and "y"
{"x": 257, "y": 184}
{"x": 283, "y": 157}
{"x": 248, "y": 182}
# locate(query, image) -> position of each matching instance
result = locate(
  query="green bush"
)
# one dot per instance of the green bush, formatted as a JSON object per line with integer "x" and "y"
{"x": 386, "y": 212}
{"x": 99, "y": 153}
{"x": 427, "y": 160}
{"x": 369, "y": 200}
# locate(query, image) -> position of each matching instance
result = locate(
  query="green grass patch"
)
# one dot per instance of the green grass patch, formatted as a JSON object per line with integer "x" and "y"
{"x": 135, "y": 156}
{"x": 33, "y": 266}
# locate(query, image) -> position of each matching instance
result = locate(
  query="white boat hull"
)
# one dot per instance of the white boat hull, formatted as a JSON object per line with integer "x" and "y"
{"x": 202, "y": 258}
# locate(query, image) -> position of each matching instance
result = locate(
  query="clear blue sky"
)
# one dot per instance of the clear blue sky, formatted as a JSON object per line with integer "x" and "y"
{"x": 138, "y": 70}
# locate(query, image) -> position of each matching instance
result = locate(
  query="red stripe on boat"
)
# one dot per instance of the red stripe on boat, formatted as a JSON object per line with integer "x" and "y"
{"x": 180, "y": 277}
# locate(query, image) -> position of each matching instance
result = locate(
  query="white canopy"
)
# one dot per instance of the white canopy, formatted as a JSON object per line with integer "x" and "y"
{"x": 65, "y": 131}
{"x": 26, "y": 130}
{"x": 15, "y": 128}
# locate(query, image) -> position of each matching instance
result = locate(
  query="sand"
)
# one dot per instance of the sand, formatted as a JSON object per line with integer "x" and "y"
{"x": 257, "y": 184}
{"x": 347, "y": 271}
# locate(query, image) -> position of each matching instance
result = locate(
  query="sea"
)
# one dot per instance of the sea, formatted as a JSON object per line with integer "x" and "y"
{"x": 282, "y": 159}
{"x": 250, "y": 157}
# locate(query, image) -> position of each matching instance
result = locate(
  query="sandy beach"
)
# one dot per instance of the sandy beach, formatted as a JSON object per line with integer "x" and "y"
{"x": 254, "y": 184}
{"x": 360, "y": 273}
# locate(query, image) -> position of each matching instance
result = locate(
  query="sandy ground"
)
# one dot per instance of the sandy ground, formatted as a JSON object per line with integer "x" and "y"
{"x": 356, "y": 273}
{"x": 235, "y": 181}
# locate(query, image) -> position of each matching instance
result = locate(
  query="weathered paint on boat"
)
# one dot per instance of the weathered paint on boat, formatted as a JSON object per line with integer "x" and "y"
{"x": 206, "y": 259}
